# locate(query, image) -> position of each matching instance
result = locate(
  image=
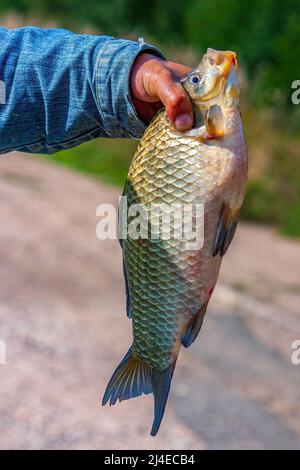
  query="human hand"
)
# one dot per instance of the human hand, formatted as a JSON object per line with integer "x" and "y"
{"x": 154, "y": 83}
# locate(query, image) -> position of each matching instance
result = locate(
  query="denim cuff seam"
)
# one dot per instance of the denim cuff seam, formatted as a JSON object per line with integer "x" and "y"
{"x": 135, "y": 126}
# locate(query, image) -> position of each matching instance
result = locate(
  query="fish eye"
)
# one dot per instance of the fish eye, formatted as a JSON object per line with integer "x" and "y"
{"x": 195, "y": 79}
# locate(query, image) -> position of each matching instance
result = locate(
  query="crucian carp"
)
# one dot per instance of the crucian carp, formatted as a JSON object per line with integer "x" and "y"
{"x": 168, "y": 284}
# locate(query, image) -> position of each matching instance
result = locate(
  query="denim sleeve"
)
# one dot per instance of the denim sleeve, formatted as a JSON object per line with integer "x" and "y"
{"x": 59, "y": 89}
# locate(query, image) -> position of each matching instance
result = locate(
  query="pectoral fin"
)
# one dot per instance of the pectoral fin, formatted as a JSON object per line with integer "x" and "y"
{"x": 214, "y": 122}
{"x": 226, "y": 230}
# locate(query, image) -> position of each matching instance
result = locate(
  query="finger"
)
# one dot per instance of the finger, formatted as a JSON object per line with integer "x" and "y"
{"x": 175, "y": 99}
{"x": 179, "y": 70}
{"x": 145, "y": 110}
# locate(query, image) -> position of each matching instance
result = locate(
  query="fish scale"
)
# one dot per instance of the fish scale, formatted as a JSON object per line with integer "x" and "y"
{"x": 179, "y": 294}
{"x": 168, "y": 282}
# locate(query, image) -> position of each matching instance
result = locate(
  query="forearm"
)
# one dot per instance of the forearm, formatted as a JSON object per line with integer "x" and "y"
{"x": 63, "y": 89}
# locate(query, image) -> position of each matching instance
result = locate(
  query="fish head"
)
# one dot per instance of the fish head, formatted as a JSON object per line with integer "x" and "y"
{"x": 214, "y": 81}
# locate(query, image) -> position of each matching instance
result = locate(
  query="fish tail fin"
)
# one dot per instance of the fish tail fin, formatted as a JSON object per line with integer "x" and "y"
{"x": 133, "y": 378}
{"x": 161, "y": 382}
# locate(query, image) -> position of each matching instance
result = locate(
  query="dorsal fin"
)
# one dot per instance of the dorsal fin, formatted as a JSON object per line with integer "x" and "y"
{"x": 126, "y": 289}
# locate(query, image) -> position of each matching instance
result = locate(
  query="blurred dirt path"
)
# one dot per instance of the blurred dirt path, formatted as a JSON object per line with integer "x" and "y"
{"x": 63, "y": 321}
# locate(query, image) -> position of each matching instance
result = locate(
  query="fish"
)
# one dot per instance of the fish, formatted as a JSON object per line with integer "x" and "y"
{"x": 168, "y": 280}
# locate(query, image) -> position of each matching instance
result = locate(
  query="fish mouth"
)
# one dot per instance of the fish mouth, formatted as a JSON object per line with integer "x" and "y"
{"x": 232, "y": 77}
{"x": 227, "y": 65}
{"x": 224, "y": 60}
{"x": 230, "y": 64}
{"x": 221, "y": 67}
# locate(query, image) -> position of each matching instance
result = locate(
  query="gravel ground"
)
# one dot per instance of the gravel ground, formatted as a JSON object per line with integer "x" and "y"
{"x": 63, "y": 322}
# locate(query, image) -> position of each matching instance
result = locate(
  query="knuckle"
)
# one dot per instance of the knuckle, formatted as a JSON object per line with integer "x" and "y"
{"x": 165, "y": 74}
{"x": 158, "y": 66}
{"x": 176, "y": 99}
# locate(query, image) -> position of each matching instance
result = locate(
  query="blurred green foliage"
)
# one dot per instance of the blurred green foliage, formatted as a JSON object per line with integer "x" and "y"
{"x": 105, "y": 159}
{"x": 265, "y": 33}
{"x": 266, "y": 36}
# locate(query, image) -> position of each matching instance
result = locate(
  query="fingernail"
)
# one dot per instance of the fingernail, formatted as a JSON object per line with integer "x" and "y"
{"x": 183, "y": 122}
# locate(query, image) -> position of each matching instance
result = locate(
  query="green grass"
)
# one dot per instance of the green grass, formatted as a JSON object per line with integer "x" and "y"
{"x": 267, "y": 203}
{"x": 103, "y": 158}
{"x": 273, "y": 193}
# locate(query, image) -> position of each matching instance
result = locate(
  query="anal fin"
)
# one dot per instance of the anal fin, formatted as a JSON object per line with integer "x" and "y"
{"x": 194, "y": 327}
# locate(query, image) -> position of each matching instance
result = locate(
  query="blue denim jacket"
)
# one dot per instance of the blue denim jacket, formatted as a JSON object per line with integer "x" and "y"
{"x": 62, "y": 89}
